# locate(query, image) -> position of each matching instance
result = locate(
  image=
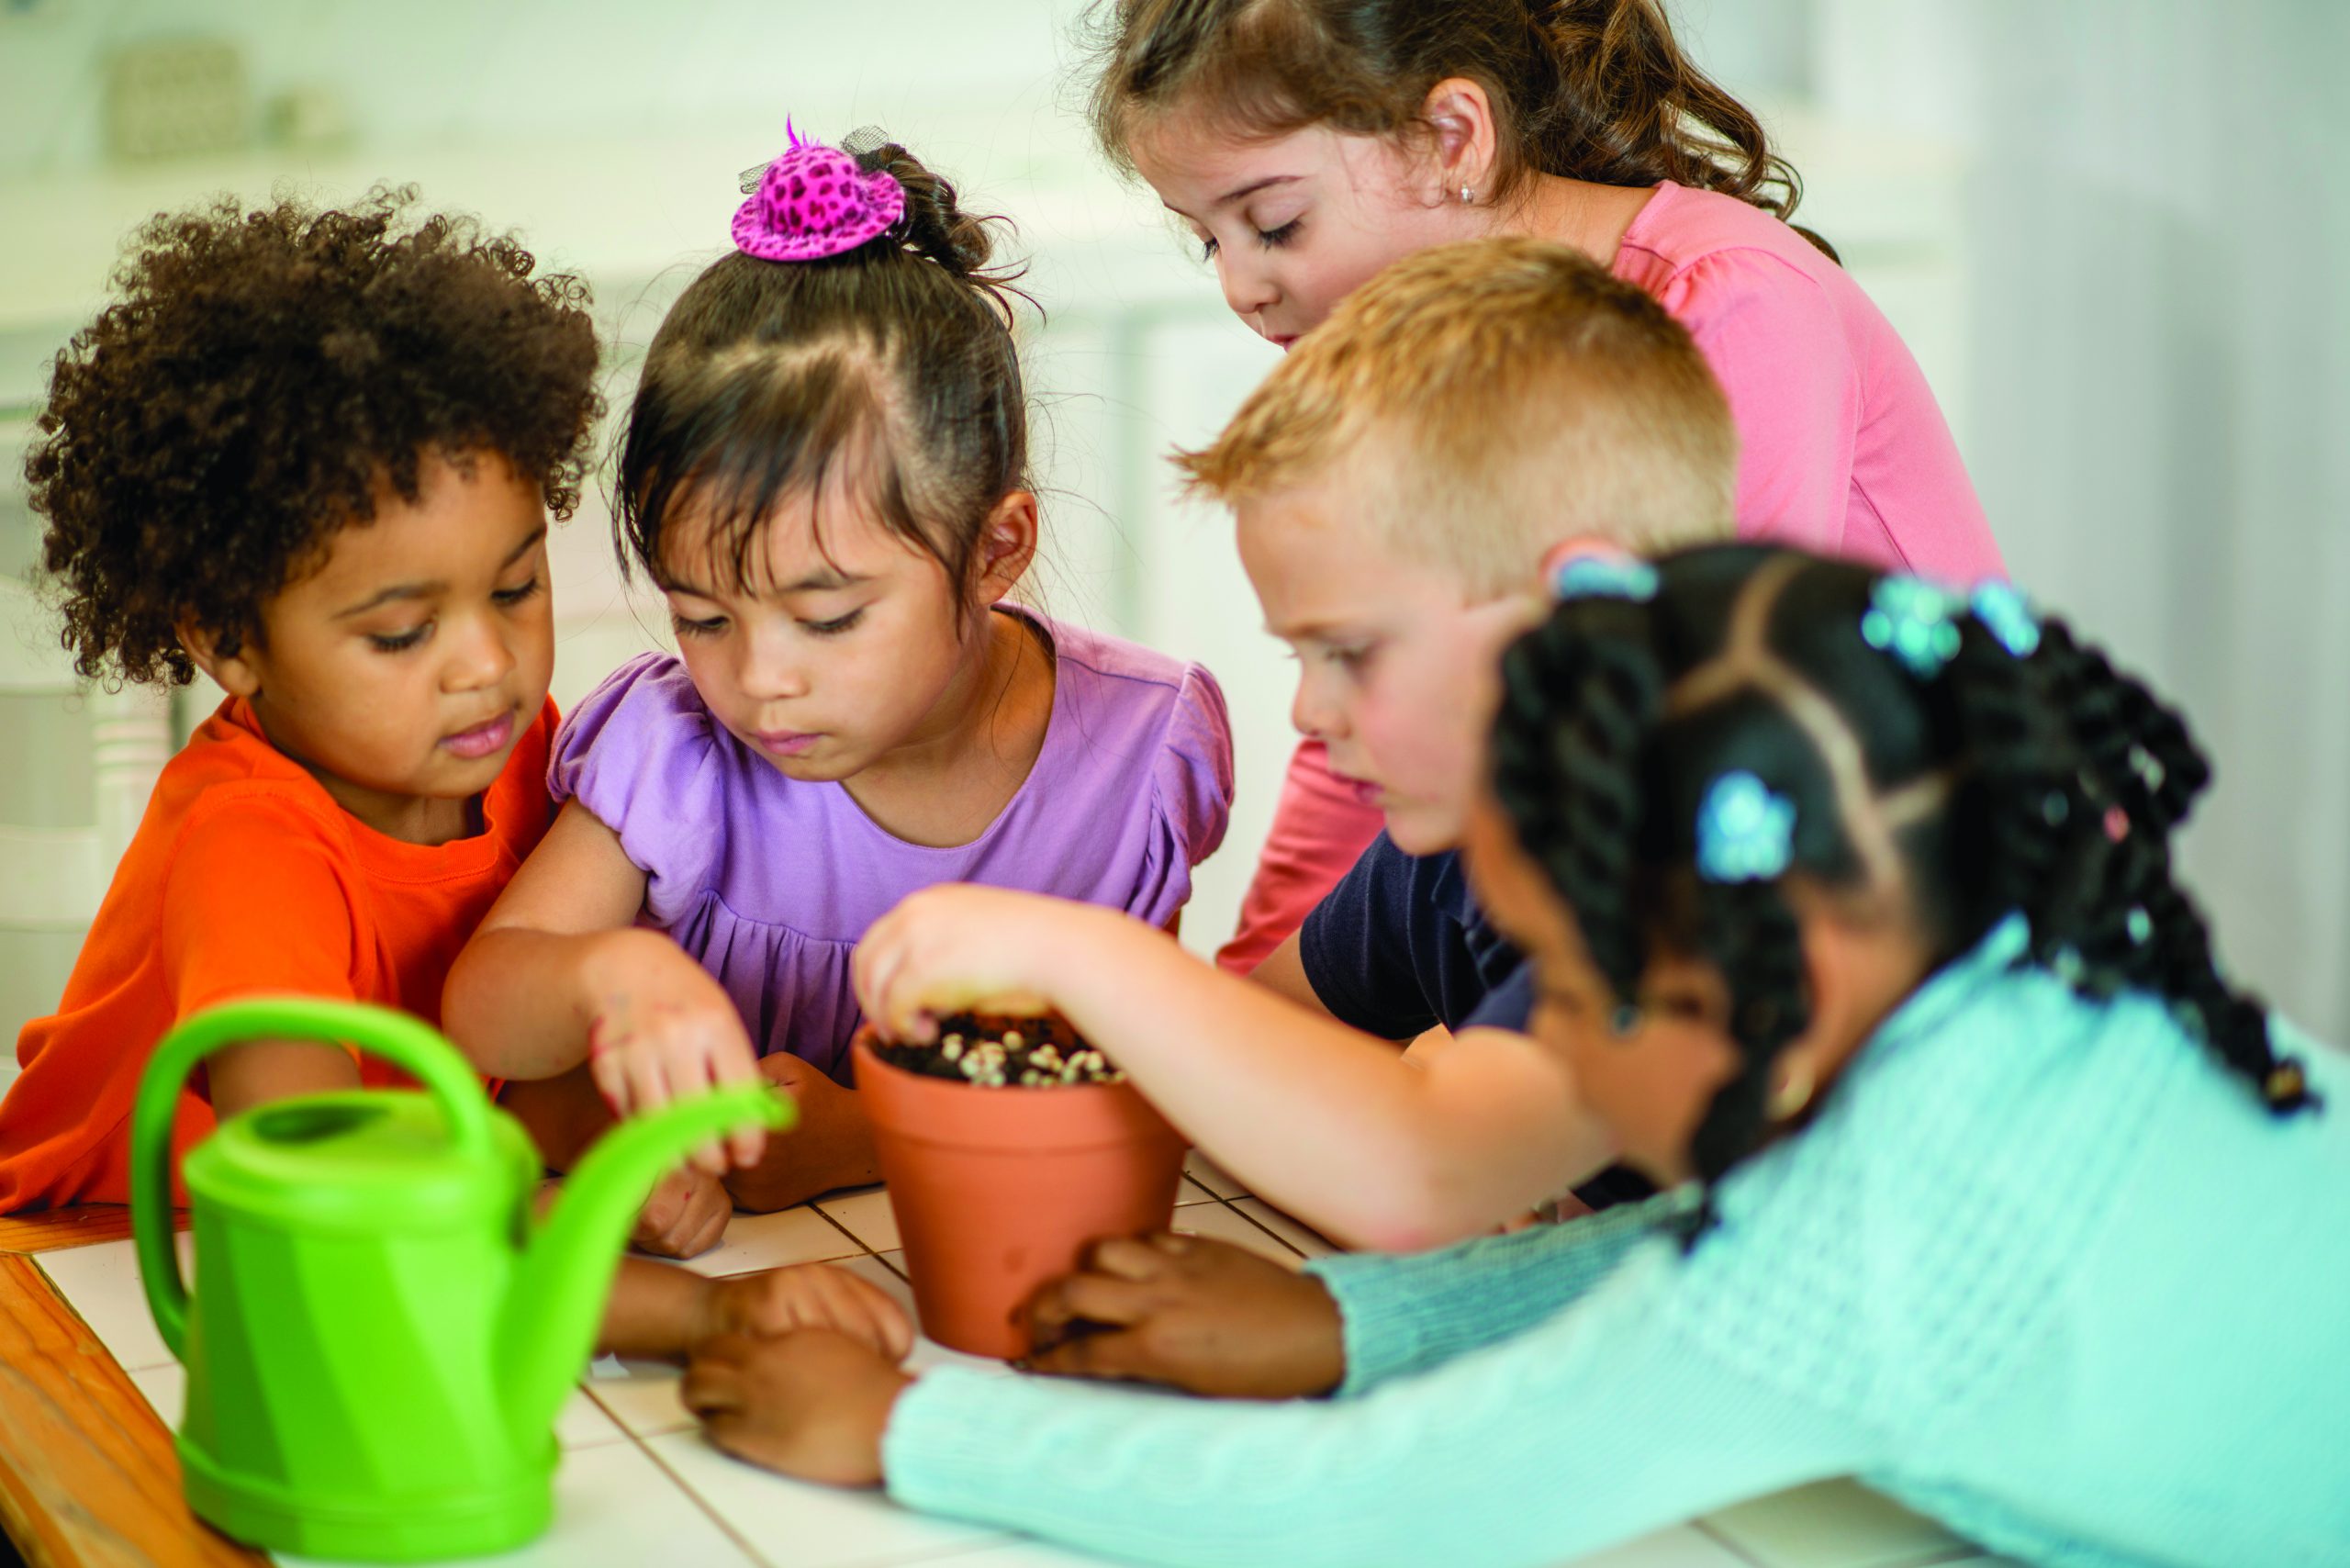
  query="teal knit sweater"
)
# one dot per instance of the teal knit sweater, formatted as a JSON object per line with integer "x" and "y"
{"x": 2037, "y": 1266}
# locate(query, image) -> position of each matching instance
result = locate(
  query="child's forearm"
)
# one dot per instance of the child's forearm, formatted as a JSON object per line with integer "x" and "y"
{"x": 652, "y": 1311}
{"x": 261, "y": 1071}
{"x": 829, "y": 1146}
{"x": 1321, "y": 1120}
{"x": 563, "y": 1115}
{"x": 517, "y": 1000}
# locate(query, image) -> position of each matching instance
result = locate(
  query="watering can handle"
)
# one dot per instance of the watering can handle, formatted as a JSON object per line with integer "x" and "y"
{"x": 407, "y": 1043}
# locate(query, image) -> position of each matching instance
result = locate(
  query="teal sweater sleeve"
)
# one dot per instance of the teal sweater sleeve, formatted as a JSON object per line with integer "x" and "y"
{"x": 1617, "y": 1421}
{"x": 1407, "y": 1314}
{"x": 2038, "y": 1265}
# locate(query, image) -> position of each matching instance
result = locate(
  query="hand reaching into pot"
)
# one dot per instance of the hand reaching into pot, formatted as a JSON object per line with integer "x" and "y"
{"x": 960, "y": 948}
{"x": 1197, "y": 1314}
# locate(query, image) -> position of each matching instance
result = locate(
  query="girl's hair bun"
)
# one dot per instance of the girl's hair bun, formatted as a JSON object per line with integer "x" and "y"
{"x": 933, "y": 225}
{"x": 936, "y": 228}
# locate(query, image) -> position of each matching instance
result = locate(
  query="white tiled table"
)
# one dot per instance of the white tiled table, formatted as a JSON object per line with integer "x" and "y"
{"x": 639, "y": 1485}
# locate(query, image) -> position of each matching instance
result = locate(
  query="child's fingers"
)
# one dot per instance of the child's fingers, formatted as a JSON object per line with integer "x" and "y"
{"x": 1084, "y": 1299}
{"x": 1117, "y": 1355}
{"x": 648, "y": 1082}
{"x": 713, "y": 1380}
{"x": 896, "y": 1328}
{"x": 1126, "y": 1258}
{"x": 878, "y": 1320}
{"x": 891, "y": 1010}
{"x": 610, "y": 1076}
{"x": 733, "y": 1061}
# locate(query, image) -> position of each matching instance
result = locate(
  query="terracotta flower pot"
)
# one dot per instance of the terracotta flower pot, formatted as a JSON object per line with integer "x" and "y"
{"x": 996, "y": 1190}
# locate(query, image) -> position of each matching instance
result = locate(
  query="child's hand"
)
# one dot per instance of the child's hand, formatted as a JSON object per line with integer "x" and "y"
{"x": 684, "y": 1217}
{"x": 663, "y": 1029}
{"x": 812, "y": 1405}
{"x": 959, "y": 948}
{"x": 1199, "y": 1314}
{"x": 807, "y": 1295}
{"x": 831, "y": 1144}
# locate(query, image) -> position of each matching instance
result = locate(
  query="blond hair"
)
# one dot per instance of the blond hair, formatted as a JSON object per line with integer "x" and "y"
{"x": 1488, "y": 400}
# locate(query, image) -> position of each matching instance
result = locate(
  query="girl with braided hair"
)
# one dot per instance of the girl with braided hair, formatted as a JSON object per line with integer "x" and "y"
{"x": 1851, "y": 907}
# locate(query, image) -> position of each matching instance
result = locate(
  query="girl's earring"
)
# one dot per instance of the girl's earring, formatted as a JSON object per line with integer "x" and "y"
{"x": 1468, "y": 196}
{"x": 1793, "y": 1090}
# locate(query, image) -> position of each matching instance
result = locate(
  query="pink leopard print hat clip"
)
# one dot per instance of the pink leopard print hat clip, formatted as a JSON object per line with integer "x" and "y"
{"x": 814, "y": 201}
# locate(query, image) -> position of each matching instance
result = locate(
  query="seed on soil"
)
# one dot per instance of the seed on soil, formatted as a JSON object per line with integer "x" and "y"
{"x": 993, "y": 1051}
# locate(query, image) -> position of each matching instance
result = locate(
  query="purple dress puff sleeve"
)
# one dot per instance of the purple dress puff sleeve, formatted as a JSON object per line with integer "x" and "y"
{"x": 1190, "y": 796}
{"x": 641, "y": 753}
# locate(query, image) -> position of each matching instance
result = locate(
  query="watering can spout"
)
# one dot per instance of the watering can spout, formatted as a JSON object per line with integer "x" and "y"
{"x": 556, "y": 1302}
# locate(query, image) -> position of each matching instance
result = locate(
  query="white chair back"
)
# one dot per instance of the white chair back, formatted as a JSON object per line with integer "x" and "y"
{"x": 52, "y": 878}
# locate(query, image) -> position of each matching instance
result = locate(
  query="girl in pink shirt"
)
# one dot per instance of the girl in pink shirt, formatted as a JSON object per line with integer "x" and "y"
{"x": 1307, "y": 144}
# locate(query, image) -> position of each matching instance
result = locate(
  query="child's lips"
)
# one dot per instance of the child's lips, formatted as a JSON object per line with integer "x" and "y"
{"x": 1370, "y": 794}
{"x": 484, "y": 739}
{"x": 787, "y": 743}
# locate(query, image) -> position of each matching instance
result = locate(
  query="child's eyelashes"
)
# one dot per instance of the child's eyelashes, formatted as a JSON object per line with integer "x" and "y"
{"x": 688, "y": 626}
{"x": 398, "y": 641}
{"x": 505, "y": 599}
{"x": 837, "y": 625}
{"x": 1270, "y": 238}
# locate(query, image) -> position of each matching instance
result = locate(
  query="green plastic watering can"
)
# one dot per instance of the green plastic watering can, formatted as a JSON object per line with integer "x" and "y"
{"x": 381, "y": 1333}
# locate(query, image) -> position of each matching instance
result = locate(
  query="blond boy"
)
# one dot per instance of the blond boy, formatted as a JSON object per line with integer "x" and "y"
{"x": 1397, "y": 483}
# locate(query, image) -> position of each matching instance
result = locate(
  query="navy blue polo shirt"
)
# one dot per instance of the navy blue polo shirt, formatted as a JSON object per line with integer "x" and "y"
{"x": 1399, "y": 945}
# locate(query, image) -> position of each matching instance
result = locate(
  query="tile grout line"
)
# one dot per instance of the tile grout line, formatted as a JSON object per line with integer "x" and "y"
{"x": 818, "y": 1204}
{"x": 1704, "y": 1527}
{"x": 724, "y": 1526}
{"x": 1280, "y": 1241}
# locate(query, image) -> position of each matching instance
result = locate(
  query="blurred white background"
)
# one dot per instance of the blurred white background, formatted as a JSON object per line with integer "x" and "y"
{"x": 2112, "y": 230}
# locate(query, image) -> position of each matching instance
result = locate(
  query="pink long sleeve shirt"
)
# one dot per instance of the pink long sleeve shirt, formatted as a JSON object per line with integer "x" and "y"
{"x": 1842, "y": 450}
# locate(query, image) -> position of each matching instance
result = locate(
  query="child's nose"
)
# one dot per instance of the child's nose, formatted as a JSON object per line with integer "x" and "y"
{"x": 1311, "y": 712}
{"x": 482, "y": 656}
{"x": 1247, "y": 289}
{"x": 767, "y": 671}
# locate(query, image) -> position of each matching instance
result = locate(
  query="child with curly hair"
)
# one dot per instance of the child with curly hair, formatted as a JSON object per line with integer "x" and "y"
{"x": 1851, "y": 904}
{"x": 825, "y": 471}
{"x": 313, "y": 454}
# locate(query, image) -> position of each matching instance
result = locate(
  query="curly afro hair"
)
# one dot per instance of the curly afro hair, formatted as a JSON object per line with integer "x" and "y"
{"x": 265, "y": 377}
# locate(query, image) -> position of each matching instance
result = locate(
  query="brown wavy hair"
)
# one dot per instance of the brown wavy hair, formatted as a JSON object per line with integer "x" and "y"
{"x": 1594, "y": 90}
{"x": 264, "y": 378}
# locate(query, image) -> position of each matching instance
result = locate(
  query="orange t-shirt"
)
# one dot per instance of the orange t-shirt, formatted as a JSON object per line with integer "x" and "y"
{"x": 244, "y": 877}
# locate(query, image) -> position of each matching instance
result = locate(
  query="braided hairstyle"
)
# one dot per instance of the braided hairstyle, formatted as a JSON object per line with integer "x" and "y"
{"x": 2040, "y": 781}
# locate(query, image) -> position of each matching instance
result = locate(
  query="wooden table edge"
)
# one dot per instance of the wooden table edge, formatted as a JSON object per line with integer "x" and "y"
{"x": 83, "y": 1224}
{"x": 88, "y": 1472}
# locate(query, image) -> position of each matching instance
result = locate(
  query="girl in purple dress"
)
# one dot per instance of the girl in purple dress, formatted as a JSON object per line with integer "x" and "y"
{"x": 826, "y": 472}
